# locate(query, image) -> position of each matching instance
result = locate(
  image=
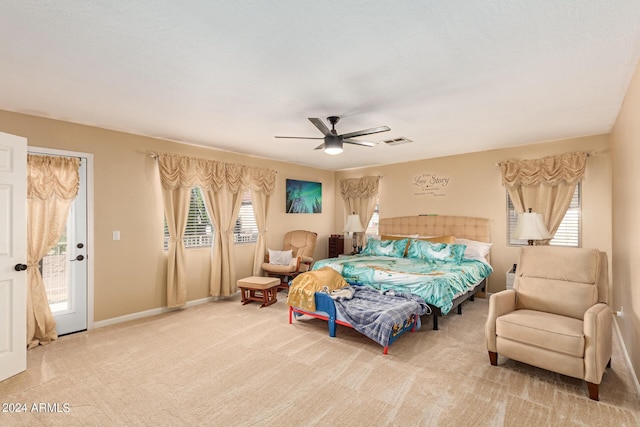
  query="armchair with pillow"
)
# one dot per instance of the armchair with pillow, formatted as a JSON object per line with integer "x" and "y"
{"x": 295, "y": 257}
{"x": 556, "y": 317}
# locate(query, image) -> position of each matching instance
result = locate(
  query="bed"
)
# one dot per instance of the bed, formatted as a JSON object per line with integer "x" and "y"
{"x": 443, "y": 288}
{"x": 472, "y": 231}
{"x": 382, "y": 317}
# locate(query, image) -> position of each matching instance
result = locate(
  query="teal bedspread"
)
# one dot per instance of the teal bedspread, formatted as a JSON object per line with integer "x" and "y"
{"x": 438, "y": 283}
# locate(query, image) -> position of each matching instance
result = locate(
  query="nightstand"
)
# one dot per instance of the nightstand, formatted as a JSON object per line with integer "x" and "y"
{"x": 336, "y": 245}
{"x": 511, "y": 276}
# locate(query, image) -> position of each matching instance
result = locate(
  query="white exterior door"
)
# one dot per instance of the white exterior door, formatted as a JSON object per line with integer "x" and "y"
{"x": 65, "y": 269}
{"x": 13, "y": 255}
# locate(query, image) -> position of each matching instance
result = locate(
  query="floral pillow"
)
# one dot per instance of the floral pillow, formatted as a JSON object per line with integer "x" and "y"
{"x": 432, "y": 252}
{"x": 391, "y": 248}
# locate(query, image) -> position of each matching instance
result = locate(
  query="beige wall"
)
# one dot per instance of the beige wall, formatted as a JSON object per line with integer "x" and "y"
{"x": 475, "y": 189}
{"x": 625, "y": 143}
{"x": 130, "y": 273}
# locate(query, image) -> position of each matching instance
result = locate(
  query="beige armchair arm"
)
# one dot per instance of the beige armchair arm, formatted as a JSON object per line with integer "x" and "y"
{"x": 598, "y": 321}
{"x": 500, "y": 303}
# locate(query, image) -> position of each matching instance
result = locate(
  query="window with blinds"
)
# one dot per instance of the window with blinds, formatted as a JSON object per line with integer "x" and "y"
{"x": 568, "y": 233}
{"x": 372, "y": 227}
{"x": 246, "y": 230}
{"x": 199, "y": 231}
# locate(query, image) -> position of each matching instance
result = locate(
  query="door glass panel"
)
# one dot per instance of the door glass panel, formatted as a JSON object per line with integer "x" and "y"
{"x": 55, "y": 271}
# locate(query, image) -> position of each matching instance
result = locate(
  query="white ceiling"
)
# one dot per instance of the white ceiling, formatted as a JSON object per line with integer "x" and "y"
{"x": 453, "y": 76}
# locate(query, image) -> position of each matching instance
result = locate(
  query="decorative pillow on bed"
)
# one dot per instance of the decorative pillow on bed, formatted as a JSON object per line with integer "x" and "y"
{"x": 280, "y": 257}
{"x": 429, "y": 251}
{"x": 475, "y": 250}
{"x": 392, "y": 248}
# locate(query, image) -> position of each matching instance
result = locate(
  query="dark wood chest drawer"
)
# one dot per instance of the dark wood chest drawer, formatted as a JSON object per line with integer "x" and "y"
{"x": 336, "y": 245}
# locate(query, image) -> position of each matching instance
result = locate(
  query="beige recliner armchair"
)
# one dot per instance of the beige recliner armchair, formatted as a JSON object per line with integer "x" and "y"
{"x": 556, "y": 317}
{"x": 302, "y": 244}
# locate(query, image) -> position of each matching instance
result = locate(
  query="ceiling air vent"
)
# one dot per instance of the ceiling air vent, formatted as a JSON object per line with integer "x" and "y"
{"x": 397, "y": 141}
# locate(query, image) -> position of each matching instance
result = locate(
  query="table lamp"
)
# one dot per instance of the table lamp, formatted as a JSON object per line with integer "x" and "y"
{"x": 531, "y": 227}
{"x": 354, "y": 226}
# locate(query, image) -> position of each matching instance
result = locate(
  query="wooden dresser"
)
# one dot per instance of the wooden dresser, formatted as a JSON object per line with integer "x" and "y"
{"x": 336, "y": 245}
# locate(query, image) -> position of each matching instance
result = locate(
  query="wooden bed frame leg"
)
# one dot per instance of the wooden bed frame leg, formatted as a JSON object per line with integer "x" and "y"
{"x": 493, "y": 358}
{"x": 593, "y": 391}
{"x": 435, "y": 322}
{"x": 290, "y": 313}
{"x": 386, "y": 350}
{"x": 460, "y": 309}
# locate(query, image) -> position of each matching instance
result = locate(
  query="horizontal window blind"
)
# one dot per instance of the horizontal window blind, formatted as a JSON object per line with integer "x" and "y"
{"x": 374, "y": 222}
{"x": 568, "y": 233}
{"x": 199, "y": 230}
{"x": 246, "y": 229}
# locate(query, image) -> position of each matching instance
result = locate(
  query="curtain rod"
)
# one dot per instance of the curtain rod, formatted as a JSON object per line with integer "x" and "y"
{"x": 589, "y": 154}
{"x": 156, "y": 156}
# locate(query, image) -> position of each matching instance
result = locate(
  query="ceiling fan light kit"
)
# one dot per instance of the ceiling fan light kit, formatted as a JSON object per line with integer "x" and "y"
{"x": 332, "y": 141}
{"x": 332, "y": 145}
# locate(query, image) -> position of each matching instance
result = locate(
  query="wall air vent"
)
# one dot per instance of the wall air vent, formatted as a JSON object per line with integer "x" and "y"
{"x": 397, "y": 141}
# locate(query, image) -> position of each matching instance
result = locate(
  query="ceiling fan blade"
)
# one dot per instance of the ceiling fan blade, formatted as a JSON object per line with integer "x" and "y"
{"x": 320, "y": 125}
{"x": 357, "y": 142}
{"x": 366, "y": 132}
{"x": 320, "y": 147}
{"x": 299, "y": 137}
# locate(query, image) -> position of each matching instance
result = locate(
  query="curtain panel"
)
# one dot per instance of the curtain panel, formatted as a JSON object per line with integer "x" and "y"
{"x": 222, "y": 185}
{"x": 52, "y": 185}
{"x": 360, "y": 196}
{"x": 545, "y": 185}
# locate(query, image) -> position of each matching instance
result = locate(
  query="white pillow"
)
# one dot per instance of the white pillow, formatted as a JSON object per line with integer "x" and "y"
{"x": 280, "y": 257}
{"x": 475, "y": 250}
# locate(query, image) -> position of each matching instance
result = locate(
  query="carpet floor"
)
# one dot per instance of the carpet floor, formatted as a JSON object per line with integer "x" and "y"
{"x": 224, "y": 364}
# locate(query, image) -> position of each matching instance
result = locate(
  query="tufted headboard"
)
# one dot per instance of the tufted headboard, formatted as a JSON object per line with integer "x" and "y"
{"x": 438, "y": 225}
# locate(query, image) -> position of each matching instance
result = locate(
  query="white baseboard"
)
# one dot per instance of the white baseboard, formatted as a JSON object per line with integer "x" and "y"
{"x": 627, "y": 359}
{"x": 148, "y": 313}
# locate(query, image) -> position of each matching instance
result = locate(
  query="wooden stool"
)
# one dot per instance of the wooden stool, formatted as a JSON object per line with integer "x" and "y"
{"x": 257, "y": 288}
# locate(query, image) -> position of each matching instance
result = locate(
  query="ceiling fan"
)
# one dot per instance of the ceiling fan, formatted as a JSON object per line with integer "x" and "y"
{"x": 332, "y": 141}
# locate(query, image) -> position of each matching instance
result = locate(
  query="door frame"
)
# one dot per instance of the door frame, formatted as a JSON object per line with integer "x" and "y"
{"x": 90, "y": 224}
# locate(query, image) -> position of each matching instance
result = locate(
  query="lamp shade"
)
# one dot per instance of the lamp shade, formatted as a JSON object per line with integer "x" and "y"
{"x": 531, "y": 227}
{"x": 353, "y": 224}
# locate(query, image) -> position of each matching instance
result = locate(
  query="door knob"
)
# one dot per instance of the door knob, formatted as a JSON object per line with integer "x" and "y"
{"x": 20, "y": 267}
{"x": 78, "y": 258}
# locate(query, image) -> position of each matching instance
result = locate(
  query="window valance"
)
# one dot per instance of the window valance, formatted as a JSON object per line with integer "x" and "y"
{"x": 52, "y": 176}
{"x": 566, "y": 168}
{"x": 187, "y": 172}
{"x": 357, "y": 188}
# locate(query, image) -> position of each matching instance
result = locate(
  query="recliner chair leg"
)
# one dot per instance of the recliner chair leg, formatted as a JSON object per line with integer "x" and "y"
{"x": 493, "y": 358}
{"x": 593, "y": 391}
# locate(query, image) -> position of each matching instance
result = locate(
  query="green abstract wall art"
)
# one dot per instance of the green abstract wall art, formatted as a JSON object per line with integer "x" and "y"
{"x": 303, "y": 196}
